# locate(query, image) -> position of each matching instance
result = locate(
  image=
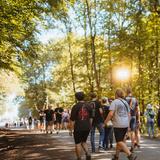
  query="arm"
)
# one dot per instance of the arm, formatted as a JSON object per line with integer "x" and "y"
{"x": 72, "y": 120}
{"x": 101, "y": 111}
{"x": 109, "y": 117}
{"x": 36, "y": 108}
{"x": 138, "y": 114}
{"x": 71, "y": 127}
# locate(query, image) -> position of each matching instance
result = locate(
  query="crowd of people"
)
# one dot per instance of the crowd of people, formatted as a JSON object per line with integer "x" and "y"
{"x": 119, "y": 118}
{"x": 53, "y": 119}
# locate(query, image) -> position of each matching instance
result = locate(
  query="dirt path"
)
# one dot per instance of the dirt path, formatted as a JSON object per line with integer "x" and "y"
{"x": 35, "y": 146}
{"x": 25, "y": 145}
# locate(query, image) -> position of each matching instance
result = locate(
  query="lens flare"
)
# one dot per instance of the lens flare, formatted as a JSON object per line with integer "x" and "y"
{"x": 122, "y": 74}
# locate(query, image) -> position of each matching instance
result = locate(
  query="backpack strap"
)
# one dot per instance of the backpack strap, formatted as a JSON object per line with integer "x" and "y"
{"x": 130, "y": 103}
{"x": 93, "y": 107}
{"x": 124, "y": 105}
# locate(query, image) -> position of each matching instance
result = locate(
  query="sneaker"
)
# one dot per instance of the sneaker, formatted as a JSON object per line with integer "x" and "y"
{"x": 88, "y": 157}
{"x": 115, "y": 157}
{"x": 93, "y": 150}
{"x": 132, "y": 157}
{"x": 136, "y": 145}
{"x": 51, "y": 132}
{"x": 111, "y": 146}
{"x": 132, "y": 149}
{"x": 101, "y": 148}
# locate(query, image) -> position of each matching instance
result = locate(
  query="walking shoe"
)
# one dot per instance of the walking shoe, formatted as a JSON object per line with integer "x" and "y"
{"x": 132, "y": 149}
{"x": 101, "y": 148}
{"x": 93, "y": 150}
{"x": 111, "y": 146}
{"x": 88, "y": 157}
{"x": 115, "y": 157}
{"x": 136, "y": 145}
{"x": 132, "y": 157}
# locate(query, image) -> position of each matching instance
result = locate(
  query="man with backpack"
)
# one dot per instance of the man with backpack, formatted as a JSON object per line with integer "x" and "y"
{"x": 135, "y": 119}
{"x": 120, "y": 115}
{"x": 81, "y": 122}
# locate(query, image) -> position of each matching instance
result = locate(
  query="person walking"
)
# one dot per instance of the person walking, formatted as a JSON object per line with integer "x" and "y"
{"x": 58, "y": 114}
{"x": 120, "y": 113}
{"x": 65, "y": 119}
{"x": 98, "y": 122}
{"x": 134, "y": 120}
{"x": 30, "y": 122}
{"x": 81, "y": 123}
{"x": 49, "y": 119}
{"x": 158, "y": 118}
{"x": 108, "y": 136}
{"x": 150, "y": 114}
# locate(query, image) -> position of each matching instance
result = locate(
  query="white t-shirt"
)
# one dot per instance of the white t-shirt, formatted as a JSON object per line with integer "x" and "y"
{"x": 121, "y": 111}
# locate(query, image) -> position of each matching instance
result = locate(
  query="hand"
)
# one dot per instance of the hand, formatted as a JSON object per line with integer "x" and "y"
{"x": 129, "y": 129}
{"x": 70, "y": 133}
{"x": 103, "y": 125}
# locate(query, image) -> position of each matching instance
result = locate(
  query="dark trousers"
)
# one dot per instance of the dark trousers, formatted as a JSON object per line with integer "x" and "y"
{"x": 108, "y": 138}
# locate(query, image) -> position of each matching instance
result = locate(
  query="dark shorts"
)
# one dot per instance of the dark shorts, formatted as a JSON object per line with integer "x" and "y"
{"x": 80, "y": 136}
{"x": 49, "y": 123}
{"x": 133, "y": 124}
{"x": 120, "y": 134}
{"x": 59, "y": 120}
{"x": 41, "y": 121}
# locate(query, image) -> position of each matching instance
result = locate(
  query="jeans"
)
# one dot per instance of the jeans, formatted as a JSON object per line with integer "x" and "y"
{"x": 108, "y": 138}
{"x": 100, "y": 128}
{"x": 150, "y": 126}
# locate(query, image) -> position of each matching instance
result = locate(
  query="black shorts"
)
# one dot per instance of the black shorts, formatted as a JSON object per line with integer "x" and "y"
{"x": 120, "y": 133}
{"x": 80, "y": 136}
{"x": 59, "y": 120}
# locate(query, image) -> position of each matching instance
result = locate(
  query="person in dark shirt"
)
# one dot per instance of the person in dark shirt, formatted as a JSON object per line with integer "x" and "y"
{"x": 98, "y": 122}
{"x": 134, "y": 120}
{"x": 49, "y": 118}
{"x": 158, "y": 118}
{"x": 58, "y": 114}
{"x": 30, "y": 122}
{"x": 41, "y": 118}
{"x": 81, "y": 122}
{"x": 108, "y": 127}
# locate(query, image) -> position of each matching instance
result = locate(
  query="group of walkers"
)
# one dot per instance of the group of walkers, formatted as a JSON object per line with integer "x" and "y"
{"x": 118, "y": 118}
{"x": 51, "y": 120}
{"x": 121, "y": 116}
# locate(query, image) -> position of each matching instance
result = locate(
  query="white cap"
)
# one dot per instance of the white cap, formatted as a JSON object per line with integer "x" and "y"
{"x": 106, "y": 99}
{"x": 149, "y": 106}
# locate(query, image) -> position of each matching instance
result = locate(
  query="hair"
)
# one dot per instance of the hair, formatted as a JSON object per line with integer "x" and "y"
{"x": 79, "y": 96}
{"x": 129, "y": 91}
{"x": 119, "y": 93}
{"x": 104, "y": 100}
{"x": 93, "y": 95}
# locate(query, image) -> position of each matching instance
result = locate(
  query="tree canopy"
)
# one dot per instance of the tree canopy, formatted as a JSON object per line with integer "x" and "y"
{"x": 99, "y": 38}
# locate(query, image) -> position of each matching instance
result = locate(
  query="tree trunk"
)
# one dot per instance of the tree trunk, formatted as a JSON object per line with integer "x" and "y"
{"x": 93, "y": 49}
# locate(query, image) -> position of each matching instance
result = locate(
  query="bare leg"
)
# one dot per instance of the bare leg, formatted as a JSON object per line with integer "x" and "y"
{"x": 137, "y": 136}
{"x": 132, "y": 139}
{"x": 122, "y": 146}
{"x": 78, "y": 150}
{"x": 85, "y": 148}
